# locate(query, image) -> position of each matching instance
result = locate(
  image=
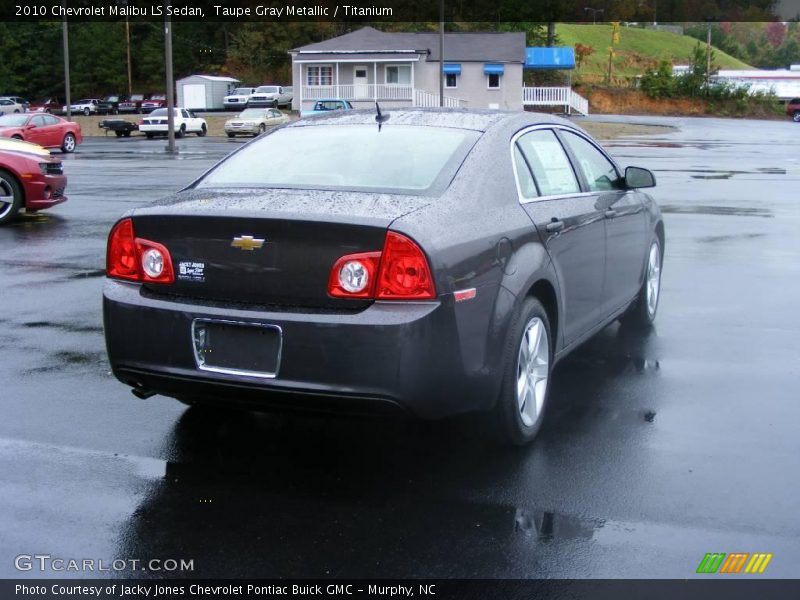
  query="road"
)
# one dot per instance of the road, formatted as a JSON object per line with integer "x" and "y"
{"x": 658, "y": 448}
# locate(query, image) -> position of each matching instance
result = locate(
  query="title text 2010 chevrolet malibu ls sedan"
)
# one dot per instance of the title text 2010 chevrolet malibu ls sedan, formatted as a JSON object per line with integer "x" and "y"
{"x": 439, "y": 264}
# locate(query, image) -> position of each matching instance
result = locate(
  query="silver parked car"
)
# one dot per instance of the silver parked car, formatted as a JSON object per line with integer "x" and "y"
{"x": 254, "y": 121}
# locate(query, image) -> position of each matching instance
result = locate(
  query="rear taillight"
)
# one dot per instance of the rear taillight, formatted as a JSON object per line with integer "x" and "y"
{"x": 399, "y": 272}
{"x": 137, "y": 259}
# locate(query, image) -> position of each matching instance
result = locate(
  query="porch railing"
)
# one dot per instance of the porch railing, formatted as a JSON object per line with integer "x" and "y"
{"x": 555, "y": 96}
{"x": 358, "y": 91}
{"x": 423, "y": 98}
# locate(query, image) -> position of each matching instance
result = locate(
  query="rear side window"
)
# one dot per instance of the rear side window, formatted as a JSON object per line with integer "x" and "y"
{"x": 548, "y": 162}
{"x": 348, "y": 157}
{"x": 527, "y": 187}
{"x": 600, "y": 173}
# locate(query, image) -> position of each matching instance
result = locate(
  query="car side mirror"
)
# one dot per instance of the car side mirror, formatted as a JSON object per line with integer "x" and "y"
{"x": 30, "y": 126}
{"x": 637, "y": 177}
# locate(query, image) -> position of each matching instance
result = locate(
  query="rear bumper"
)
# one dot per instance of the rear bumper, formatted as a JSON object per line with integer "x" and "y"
{"x": 44, "y": 192}
{"x": 421, "y": 358}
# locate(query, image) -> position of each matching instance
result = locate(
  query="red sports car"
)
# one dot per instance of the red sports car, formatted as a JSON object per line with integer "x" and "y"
{"x": 29, "y": 180}
{"x": 48, "y": 131}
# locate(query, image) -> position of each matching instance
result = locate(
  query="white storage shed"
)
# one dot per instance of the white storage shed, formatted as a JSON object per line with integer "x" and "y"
{"x": 204, "y": 92}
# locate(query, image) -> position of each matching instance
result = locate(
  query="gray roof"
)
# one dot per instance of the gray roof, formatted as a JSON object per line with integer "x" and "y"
{"x": 461, "y": 118}
{"x": 467, "y": 47}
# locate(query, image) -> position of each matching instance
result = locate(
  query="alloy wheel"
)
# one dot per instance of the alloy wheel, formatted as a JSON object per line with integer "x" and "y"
{"x": 6, "y": 197}
{"x": 533, "y": 366}
{"x": 653, "y": 279}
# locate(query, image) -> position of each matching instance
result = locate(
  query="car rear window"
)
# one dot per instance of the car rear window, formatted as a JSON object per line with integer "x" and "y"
{"x": 347, "y": 157}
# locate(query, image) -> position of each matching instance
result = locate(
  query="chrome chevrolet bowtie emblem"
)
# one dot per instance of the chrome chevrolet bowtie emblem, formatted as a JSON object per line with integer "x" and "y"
{"x": 247, "y": 242}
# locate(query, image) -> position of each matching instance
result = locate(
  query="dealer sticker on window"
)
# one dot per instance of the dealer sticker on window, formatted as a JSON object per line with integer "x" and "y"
{"x": 192, "y": 271}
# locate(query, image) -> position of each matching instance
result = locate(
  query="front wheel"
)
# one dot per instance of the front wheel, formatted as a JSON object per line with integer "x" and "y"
{"x": 69, "y": 143}
{"x": 149, "y": 135}
{"x": 796, "y": 116}
{"x": 10, "y": 197}
{"x": 642, "y": 312}
{"x": 87, "y": 112}
{"x": 16, "y": 137}
{"x": 528, "y": 357}
{"x": 230, "y": 135}
{"x": 261, "y": 129}
{"x": 203, "y": 131}
{"x": 119, "y": 133}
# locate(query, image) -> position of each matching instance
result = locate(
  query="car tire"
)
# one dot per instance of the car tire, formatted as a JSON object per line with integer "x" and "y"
{"x": 528, "y": 359}
{"x": 181, "y": 132}
{"x": 149, "y": 135}
{"x": 230, "y": 135}
{"x": 87, "y": 112}
{"x": 10, "y": 187}
{"x": 16, "y": 110}
{"x": 261, "y": 129}
{"x": 274, "y": 104}
{"x": 126, "y": 133}
{"x": 17, "y": 137}
{"x": 796, "y": 116}
{"x": 68, "y": 143}
{"x": 203, "y": 131}
{"x": 642, "y": 312}
{"x": 119, "y": 133}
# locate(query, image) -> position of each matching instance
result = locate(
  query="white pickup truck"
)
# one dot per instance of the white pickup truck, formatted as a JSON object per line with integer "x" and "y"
{"x": 238, "y": 98}
{"x": 156, "y": 123}
{"x": 271, "y": 96}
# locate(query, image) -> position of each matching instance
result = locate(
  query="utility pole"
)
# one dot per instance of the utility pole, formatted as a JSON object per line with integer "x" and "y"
{"x": 170, "y": 80}
{"x": 128, "y": 40}
{"x": 441, "y": 53}
{"x": 708, "y": 57}
{"x": 65, "y": 40}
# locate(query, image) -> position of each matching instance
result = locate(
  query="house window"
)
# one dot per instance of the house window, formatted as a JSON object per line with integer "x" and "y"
{"x": 319, "y": 75}
{"x": 398, "y": 74}
{"x": 494, "y": 81}
{"x": 450, "y": 80}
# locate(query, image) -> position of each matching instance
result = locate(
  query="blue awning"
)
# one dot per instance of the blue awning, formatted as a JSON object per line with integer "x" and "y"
{"x": 550, "y": 58}
{"x": 493, "y": 69}
{"x": 452, "y": 68}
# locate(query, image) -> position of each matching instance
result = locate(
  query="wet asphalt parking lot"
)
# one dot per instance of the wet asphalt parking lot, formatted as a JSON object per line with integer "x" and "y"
{"x": 658, "y": 446}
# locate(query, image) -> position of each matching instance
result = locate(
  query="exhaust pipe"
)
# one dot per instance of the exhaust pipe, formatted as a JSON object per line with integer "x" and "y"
{"x": 142, "y": 393}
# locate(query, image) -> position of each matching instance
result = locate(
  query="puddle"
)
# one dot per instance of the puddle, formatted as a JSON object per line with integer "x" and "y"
{"x": 713, "y": 239}
{"x": 548, "y": 526}
{"x": 64, "y": 327}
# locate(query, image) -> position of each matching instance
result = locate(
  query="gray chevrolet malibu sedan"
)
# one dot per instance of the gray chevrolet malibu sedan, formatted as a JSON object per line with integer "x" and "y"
{"x": 432, "y": 263}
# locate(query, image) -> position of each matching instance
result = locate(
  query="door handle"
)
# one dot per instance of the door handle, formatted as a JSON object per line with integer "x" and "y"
{"x": 611, "y": 213}
{"x": 554, "y": 226}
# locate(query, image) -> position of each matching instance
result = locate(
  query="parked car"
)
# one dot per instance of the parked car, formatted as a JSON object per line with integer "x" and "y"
{"x": 25, "y": 104}
{"x": 270, "y": 96}
{"x": 29, "y": 180}
{"x": 110, "y": 104}
{"x": 8, "y": 106}
{"x": 326, "y": 105}
{"x": 120, "y": 127}
{"x": 49, "y": 104}
{"x": 254, "y": 121}
{"x": 153, "y": 102}
{"x": 793, "y": 109}
{"x": 87, "y": 106}
{"x": 441, "y": 266}
{"x": 156, "y": 123}
{"x": 48, "y": 131}
{"x": 132, "y": 104}
{"x": 238, "y": 98}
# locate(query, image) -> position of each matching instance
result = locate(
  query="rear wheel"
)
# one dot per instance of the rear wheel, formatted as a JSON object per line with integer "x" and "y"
{"x": 203, "y": 131}
{"x": 119, "y": 133}
{"x": 149, "y": 135}
{"x": 10, "y": 197}
{"x": 68, "y": 143}
{"x": 642, "y": 312}
{"x": 523, "y": 396}
{"x": 181, "y": 132}
{"x": 87, "y": 112}
{"x": 16, "y": 137}
{"x": 126, "y": 133}
{"x": 796, "y": 116}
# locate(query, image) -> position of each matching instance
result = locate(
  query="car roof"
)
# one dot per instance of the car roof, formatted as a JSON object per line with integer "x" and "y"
{"x": 460, "y": 118}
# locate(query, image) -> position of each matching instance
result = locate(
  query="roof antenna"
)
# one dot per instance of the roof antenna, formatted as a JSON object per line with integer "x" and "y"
{"x": 380, "y": 118}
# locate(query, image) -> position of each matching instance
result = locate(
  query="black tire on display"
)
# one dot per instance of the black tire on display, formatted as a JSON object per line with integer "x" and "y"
{"x": 68, "y": 143}
{"x": 11, "y": 197}
{"x": 528, "y": 356}
{"x": 642, "y": 312}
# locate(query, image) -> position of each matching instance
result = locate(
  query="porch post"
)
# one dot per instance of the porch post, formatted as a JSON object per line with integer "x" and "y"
{"x": 375, "y": 81}
{"x": 338, "y": 95}
{"x": 412, "y": 83}
{"x": 302, "y": 83}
